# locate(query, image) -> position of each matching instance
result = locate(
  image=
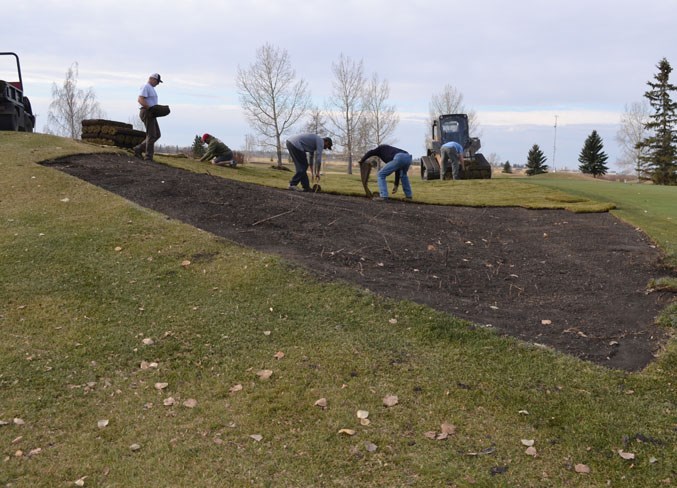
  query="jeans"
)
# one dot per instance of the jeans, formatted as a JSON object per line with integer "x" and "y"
{"x": 449, "y": 153}
{"x": 401, "y": 163}
{"x": 301, "y": 165}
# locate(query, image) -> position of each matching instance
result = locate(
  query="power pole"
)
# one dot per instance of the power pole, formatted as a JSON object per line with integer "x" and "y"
{"x": 554, "y": 147}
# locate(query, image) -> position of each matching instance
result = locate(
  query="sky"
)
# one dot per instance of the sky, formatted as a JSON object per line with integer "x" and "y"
{"x": 521, "y": 66}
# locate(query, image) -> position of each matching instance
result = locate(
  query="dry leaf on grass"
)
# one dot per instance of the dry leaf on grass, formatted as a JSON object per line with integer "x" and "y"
{"x": 448, "y": 428}
{"x": 190, "y": 403}
{"x": 626, "y": 455}
{"x": 102, "y": 423}
{"x": 527, "y": 442}
{"x": 278, "y": 355}
{"x": 393, "y": 321}
{"x": 118, "y": 248}
{"x": 362, "y": 414}
{"x": 148, "y": 341}
{"x": 135, "y": 447}
{"x": 161, "y": 386}
{"x": 370, "y": 447}
{"x": 322, "y": 403}
{"x": 390, "y": 400}
{"x": 582, "y": 468}
{"x": 531, "y": 451}
{"x": 256, "y": 437}
{"x": 185, "y": 263}
{"x": 168, "y": 402}
{"x": 264, "y": 374}
{"x": 347, "y": 431}
{"x": 235, "y": 388}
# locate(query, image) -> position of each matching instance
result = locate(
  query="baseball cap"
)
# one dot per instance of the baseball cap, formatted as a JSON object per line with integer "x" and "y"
{"x": 328, "y": 141}
{"x": 205, "y": 137}
{"x": 157, "y": 77}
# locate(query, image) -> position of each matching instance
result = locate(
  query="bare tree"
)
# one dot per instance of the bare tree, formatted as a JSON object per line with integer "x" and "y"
{"x": 630, "y": 133}
{"x": 316, "y": 121}
{"x": 271, "y": 96}
{"x": 345, "y": 103}
{"x": 380, "y": 118}
{"x": 450, "y": 101}
{"x": 71, "y": 105}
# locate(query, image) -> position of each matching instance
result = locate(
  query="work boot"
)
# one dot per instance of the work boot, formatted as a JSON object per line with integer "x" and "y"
{"x": 380, "y": 199}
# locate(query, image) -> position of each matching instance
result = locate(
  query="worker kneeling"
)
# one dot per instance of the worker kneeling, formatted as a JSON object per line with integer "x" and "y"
{"x": 218, "y": 152}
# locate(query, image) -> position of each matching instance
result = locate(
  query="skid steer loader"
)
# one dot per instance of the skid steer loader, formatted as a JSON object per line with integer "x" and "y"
{"x": 454, "y": 127}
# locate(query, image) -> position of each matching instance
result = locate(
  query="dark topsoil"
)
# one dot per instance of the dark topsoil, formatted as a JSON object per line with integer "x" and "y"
{"x": 513, "y": 268}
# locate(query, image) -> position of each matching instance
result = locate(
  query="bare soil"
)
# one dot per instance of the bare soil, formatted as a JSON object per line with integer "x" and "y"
{"x": 574, "y": 282}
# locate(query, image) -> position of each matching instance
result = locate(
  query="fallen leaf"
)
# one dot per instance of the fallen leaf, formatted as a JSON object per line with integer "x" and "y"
{"x": 527, "y": 442}
{"x": 362, "y": 414}
{"x": 80, "y": 482}
{"x": 161, "y": 386}
{"x": 190, "y": 403}
{"x": 393, "y": 321}
{"x": 118, "y": 248}
{"x": 135, "y": 447}
{"x": 35, "y": 452}
{"x": 347, "y": 431}
{"x": 322, "y": 403}
{"x": 626, "y": 455}
{"x": 431, "y": 248}
{"x": 447, "y": 428}
{"x": 185, "y": 263}
{"x": 18, "y": 421}
{"x": 546, "y": 322}
{"x": 370, "y": 446}
{"x": 102, "y": 423}
{"x": 531, "y": 451}
{"x": 168, "y": 402}
{"x": 144, "y": 365}
{"x": 365, "y": 421}
{"x": 266, "y": 332}
{"x": 256, "y": 437}
{"x": 441, "y": 436}
{"x": 582, "y": 468}
{"x": 523, "y": 412}
{"x": 278, "y": 355}
{"x": 65, "y": 200}
{"x": 431, "y": 434}
{"x": 264, "y": 374}
{"x": 235, "y": 388}
{"x": 390, "y": 400}
{"x": 148, "y": 341}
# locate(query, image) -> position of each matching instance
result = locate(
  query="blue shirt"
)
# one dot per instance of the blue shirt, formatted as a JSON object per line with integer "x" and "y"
{"x": 455, "y": 145}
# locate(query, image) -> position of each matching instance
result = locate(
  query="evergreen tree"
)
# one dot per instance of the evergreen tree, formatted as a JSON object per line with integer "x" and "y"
{"x": 661, "y": 147}
{"x": 198, "y": 148}
{"x": 592, "y": 157}
{"x": 536, "y": 161}
{"x": 507, "y": 168}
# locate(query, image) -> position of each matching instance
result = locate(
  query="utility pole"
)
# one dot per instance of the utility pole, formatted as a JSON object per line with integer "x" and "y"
{"x": 554, "y": 147}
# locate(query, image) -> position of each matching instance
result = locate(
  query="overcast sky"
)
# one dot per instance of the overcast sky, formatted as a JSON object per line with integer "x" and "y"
{"x": 518, "y": 64}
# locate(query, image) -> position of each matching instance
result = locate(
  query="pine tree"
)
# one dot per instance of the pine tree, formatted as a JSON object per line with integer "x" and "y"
{"x": 592, "y": 157}
{"x": 661, "y": 147}
{"x": 536, "y": 161}
{"x": 507, "y": 168}
{"x": 198, "y": 148}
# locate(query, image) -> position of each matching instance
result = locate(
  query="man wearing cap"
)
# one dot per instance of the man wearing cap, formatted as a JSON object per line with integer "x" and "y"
{"x": 147, "y": 99}
{"x": 396, "y": 160}
{"x": 298, "y": 146}
{"x": 217, "y": 151}
{"x": 451, "y": 151}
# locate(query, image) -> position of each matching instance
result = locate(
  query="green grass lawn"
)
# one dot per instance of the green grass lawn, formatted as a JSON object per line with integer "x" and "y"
{"x": 134, "y": 348}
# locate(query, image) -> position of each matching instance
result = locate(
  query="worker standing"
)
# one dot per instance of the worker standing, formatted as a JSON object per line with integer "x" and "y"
{"x": 147, "y": 99}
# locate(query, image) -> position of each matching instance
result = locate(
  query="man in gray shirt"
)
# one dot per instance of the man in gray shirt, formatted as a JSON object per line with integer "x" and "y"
{"x": 298, "y": 146}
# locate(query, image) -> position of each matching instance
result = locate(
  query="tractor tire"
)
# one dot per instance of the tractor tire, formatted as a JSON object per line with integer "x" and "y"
{"x": 430, "y": 168}
{"x": 9, "y": 122}
{"x": 482, "y": 168}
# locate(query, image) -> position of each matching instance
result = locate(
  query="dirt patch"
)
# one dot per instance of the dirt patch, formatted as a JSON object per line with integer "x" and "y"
{"x": 575, "y": 282}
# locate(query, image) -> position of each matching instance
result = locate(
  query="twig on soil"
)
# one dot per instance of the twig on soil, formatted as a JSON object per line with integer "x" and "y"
{"x": 388, "y": 246}
{"x": 274, "y": 216}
